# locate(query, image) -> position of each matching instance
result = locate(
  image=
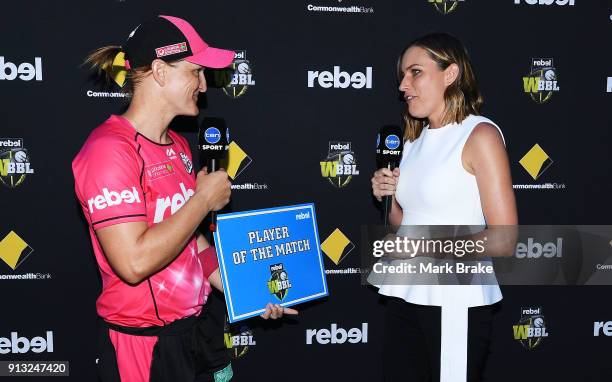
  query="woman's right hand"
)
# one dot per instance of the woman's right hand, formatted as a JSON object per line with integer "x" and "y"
{"x": 384, "y": 182}
{"x": 215, "y": 188}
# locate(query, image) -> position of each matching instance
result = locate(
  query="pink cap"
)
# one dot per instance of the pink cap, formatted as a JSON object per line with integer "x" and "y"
{"x": 203, "y": 54}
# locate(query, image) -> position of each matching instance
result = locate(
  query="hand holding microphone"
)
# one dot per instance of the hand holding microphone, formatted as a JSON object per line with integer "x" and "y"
{"x": 215, "y": 187}
{"x": 384, "y": 182}
{"x": 389, "y": 148}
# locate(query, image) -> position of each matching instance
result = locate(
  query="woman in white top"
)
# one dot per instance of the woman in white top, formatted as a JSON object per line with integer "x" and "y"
{"x": 454, "y": 171}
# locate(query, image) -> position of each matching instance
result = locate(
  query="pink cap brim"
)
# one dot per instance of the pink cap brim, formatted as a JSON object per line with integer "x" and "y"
{"x": 212, "y": 58}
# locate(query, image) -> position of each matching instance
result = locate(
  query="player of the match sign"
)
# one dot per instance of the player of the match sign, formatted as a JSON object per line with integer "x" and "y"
{"x": 270, "y": 255}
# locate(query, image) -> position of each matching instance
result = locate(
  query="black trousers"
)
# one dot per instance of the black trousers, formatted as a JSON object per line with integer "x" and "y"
{"x": 411, "y": 344}
{"x": 188, "y": 349}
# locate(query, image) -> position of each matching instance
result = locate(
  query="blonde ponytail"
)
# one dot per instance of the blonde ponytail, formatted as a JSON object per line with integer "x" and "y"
{"x": 101, "y": 61}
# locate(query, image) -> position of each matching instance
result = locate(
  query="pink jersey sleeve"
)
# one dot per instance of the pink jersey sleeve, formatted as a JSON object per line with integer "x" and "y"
{"x": 107, "y": 175}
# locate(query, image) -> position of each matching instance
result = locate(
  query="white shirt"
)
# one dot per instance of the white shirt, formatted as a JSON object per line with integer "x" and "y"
{"x": 435, "y": 189}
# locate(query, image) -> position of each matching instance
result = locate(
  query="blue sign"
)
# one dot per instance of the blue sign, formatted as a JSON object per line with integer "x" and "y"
{"x": 212, "y": 135}
{"x": 392, "y": 142}
{"x": 270, "y": 255}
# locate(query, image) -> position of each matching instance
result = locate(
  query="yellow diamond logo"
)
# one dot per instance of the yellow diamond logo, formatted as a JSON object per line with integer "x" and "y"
{"x": 337, "y": 246}
{"x": 116, "y": 70}
{"x": 536, "y": 161}
{"x": 237, "y": 160}
{"x": 14, "y": 250}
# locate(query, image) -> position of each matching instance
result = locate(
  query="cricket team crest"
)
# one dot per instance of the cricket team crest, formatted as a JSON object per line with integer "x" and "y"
{"x": 241, "y": 76}
{"x": 238, "y": 340}
{"x": 279, "y": 282}
{"x": 542, "y": 81}
{"x": 186, "y": 162}
{"x": 531, "y": 328}
{"x": 14, "y": 162}
{"x": 340, "y": 164}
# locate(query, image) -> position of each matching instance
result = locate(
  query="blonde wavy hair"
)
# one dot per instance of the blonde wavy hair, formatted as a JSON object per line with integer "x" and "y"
{"x": 462, "y": 97}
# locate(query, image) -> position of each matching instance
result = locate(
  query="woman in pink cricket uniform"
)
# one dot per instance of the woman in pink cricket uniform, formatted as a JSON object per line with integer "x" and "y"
{"x": 138, "y": 189}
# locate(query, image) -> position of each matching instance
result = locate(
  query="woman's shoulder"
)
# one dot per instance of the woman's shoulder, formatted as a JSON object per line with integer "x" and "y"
{"x": 484, "y": 133}
{"x": 484, "y": 130}
{"x": 473, "y": 121}
{"x": 109, "y": 137}
{"x": 113, "y": 129}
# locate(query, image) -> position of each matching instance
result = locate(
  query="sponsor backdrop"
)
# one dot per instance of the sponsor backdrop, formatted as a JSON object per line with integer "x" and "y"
{"x": 313, "y": 81}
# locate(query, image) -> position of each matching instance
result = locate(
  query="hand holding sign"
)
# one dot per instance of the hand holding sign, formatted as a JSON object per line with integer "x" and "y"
{"x": 275, "y": 311}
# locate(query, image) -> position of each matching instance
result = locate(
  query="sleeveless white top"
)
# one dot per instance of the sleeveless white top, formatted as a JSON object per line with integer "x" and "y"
{"x": 435, "y": 189}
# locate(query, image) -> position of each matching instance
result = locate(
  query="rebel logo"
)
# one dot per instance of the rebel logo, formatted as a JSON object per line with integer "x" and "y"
{"x": 340, "y": 79}
{"x": 113, "y": 198}
{"x": 545, "y": 2}
{"x": 25, "y": 71}
{"x": 602, "y": 328}
{"x": 337, "y": 335}
{"x": 174, "y": 202}
{"x": 20, "y": 345}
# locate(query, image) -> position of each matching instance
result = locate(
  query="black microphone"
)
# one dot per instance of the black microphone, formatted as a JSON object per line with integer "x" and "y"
{"x": 389, "y": 146}
{"x": 213, "y": 142}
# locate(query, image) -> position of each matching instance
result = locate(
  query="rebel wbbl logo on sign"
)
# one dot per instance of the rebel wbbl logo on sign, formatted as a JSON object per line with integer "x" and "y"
{"x": 279, "y": 283}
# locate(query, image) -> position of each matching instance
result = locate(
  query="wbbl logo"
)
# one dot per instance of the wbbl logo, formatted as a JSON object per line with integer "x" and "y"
{"x": 531, "y": 328}
{"x": 14, "y": 162}
{"x": 445, "y": 6}
{"x": 238, "y": 342}
{"x": 241, "y": 71}
{"x": 541, "y": 82}
{"x": 340, "y": 165}
{"x": 279, "y": 283}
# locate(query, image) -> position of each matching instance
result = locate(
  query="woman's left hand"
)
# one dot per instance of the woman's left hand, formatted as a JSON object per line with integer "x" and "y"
{"x": 275, "y": 311}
